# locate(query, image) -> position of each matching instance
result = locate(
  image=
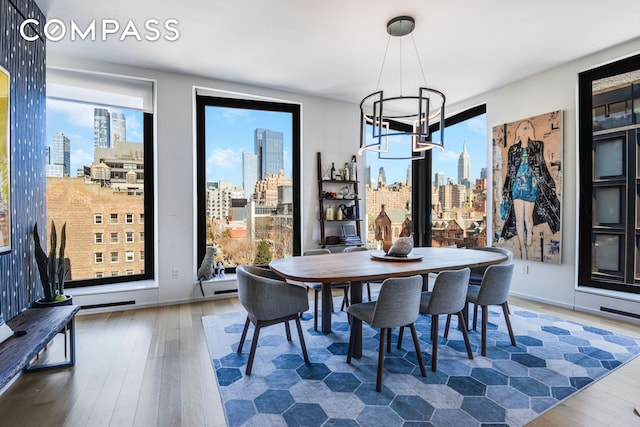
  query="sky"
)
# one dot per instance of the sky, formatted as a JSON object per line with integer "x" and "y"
{"x": 473, "y": 131}
{"x": 230, "y": 131}
{"x": 75, "y": 120}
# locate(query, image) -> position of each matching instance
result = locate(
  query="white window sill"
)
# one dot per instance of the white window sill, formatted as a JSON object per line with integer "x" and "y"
{"x": 626, "y": 296}
{"x": 217, "y": 287}
{"x": 112, "y": 288}
{"x": 231, "y": 277}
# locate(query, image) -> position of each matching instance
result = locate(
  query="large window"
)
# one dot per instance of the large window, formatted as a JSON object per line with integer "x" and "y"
{"x": 609, "y": 141}
{"x": 248, "y": 180}
{"x": 99, "y": 171}
{"x": 445, "y": 192}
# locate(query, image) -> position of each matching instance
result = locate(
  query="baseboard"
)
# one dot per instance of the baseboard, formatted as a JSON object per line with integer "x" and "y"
{"x": 543, "y": 300}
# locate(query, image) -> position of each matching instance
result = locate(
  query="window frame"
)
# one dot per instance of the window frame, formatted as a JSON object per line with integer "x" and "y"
{"x": 149, "y": 203}
{"x": 422, "y": 181}
{"x": 588, "y": 183}
{"x": 203, "y": 101}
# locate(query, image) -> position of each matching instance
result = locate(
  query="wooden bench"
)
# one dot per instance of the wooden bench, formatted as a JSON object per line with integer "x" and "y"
{"x": 41, "y": 326}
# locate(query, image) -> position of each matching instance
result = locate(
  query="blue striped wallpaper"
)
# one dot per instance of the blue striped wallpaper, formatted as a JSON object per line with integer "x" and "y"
{"x": 25, "y": 61}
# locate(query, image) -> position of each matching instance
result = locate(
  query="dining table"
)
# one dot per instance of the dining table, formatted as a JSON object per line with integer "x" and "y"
{"x": 358, "y": 267}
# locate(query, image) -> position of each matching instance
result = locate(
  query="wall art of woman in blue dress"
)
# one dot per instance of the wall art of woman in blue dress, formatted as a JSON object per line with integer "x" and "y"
{"x": 529, "y": 193}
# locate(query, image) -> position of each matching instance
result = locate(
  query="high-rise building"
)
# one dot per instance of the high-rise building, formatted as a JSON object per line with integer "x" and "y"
{"x": 59, "y": 156}
{"x": 118, "y": 128}
{"x": 249, "y": 173}
{"x": 269, "y": 147}
{"x": 464, "y": 167}
{"x": 483, "y": 173}
{"x": 439, "y": 180}
{"x": 101, "y": 128}
{"x": 408, "y": 180}
{"x": 382, "y": 178}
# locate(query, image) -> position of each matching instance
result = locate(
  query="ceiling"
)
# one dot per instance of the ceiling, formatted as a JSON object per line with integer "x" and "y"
{"x": 335, "y": 48}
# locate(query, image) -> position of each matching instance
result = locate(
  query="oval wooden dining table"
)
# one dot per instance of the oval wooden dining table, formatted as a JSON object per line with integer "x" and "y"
{"x": 365, "y": 266}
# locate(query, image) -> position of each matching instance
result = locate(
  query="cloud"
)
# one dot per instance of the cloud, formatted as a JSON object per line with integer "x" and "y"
{"x": 76, "y": 113}
{"x": 224, "y": 159}
{"x": 229, "y": 115}
{"x": 447, "y": 156}
{"x": 80, "y": 158}
{"x": 478, "y": 125}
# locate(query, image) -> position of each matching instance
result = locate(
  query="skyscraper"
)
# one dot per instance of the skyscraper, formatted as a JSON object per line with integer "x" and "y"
{"x": 249, "y": 173}
{"x": 439, "y": 179}
{"x": 118, "y": 127}
{"x": 269, "y": 147}
{"x": 382, "y": 178}
{"x": 60, "y": 156}
{"x": 408, "y": 179}
{"x": 101, "y": 128}
{"x": 464, "y": 167}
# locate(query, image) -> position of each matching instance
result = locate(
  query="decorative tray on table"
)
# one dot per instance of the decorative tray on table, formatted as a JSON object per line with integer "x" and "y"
{"x": 381, "y": 256}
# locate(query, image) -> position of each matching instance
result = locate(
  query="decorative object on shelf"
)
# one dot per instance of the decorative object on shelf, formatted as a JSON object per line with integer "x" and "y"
{"x": 347, "y": 211}
{"x": 338, "y": 203}
{"x": 333, "y": 172}
{"x": 401, "y": 247}
{"x": 343, "y": 193}
{"x": 330, "y": 215}
{"x": 333, "y": 240}
{"x": 420, "y": 112}
{"x": 51, "y": 268}
{"x": 353, "y": 169}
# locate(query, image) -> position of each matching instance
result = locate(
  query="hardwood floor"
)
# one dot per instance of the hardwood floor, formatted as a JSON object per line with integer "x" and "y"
{"x": 151, "y": 367}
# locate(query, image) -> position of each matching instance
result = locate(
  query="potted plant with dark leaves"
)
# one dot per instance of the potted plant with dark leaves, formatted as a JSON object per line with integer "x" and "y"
{"x": 51, "y": 268}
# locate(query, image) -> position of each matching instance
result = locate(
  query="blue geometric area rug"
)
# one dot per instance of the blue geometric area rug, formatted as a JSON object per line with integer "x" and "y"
{"x": 554, "y": 358}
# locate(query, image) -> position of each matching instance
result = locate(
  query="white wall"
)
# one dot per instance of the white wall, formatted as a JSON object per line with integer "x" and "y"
{"x": 552, "y": 90}
{"x": 332, "y": 127}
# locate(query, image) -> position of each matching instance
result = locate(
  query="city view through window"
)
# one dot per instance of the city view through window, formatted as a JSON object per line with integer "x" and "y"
{"x": 95, "y": 184}
{"x": 249, "y": 185}
{"x": 458, "y": 188}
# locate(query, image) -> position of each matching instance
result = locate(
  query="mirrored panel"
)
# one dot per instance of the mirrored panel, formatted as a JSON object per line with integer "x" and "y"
{"x": 609, "y": 158}
{"x": 608, "y": 205}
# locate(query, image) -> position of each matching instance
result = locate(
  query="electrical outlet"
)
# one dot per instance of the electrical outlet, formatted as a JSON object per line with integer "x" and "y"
{"x": 175, "y": 273}
{"x": 525, "y": 269}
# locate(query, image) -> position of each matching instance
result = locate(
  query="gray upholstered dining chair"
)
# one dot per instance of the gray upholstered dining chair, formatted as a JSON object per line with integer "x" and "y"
{"x": 317, "y": 287}
{"x": 361, "y": 248}
{"x": 493, "y": 290}
{"x": 447, "y": 297}
{"x": 398, "y": 304}
{"x": 478, "y": 272}
{"x": 269, "y": 300}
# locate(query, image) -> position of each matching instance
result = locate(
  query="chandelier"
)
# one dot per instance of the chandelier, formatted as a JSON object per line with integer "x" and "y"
{"x": 384, "y": 118}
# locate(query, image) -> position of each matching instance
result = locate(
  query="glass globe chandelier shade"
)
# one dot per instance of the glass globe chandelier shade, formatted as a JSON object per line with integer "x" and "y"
{"x": 379, "y": 113}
